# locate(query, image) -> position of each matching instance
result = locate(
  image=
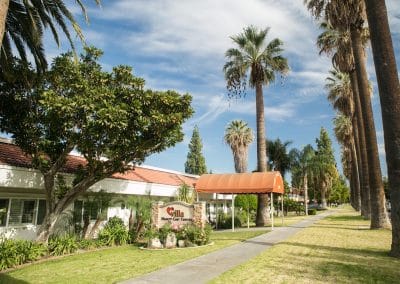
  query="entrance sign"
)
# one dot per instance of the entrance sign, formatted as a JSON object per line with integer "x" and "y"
{"x": 178, "y": 213}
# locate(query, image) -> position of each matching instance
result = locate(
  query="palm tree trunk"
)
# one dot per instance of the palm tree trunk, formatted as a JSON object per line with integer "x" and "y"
{"x": 355, "y": 178}
{"x": 389, "y": 94}
{"x": 262, "y": 210}
{"x": 362, "y": 159}
{"x": 305, "y": 183}
{"x": 379, "y": 217}
{"x": 3, "y": 17}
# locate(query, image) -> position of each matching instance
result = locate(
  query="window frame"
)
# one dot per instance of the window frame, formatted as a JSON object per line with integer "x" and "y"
{"x": 21, "y": 224}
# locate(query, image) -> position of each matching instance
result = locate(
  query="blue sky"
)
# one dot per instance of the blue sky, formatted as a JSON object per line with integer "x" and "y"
{"x": 180, "y": 45}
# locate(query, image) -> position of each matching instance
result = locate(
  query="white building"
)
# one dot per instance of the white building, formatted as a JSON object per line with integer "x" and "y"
{"x": 22, "y": 197}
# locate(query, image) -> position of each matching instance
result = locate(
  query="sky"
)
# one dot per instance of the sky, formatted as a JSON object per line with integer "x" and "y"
{"x": 180, "y": 45}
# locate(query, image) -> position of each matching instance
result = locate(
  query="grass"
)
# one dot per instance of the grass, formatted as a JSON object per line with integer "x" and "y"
{"x": 115, "y": 264}
{"x": 338, "y": 249}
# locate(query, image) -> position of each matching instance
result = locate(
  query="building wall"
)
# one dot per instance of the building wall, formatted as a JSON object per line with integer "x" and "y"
{"x": 27, "y": 184}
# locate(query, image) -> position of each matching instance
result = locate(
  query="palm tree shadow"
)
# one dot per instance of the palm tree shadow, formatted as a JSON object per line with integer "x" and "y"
{"x": 5, "y": 278}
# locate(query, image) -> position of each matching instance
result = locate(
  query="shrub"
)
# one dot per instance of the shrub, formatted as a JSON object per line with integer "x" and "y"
{"x": 227, "y": 222}
{"x": 114, "y": 233}
{"x": 88, "y": 244}
{"x": 16, "y": 252}
{"x": 197, "y": 235}
{"x": 312, "y": 211}
{"x": 163, "y": 232}
{"x": 62, "y": 245}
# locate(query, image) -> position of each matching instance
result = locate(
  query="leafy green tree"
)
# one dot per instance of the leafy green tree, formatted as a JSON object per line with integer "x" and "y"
{"x": 239, "y": 137}
{"x": 195, "y": 162}
{"x": 109, "y": 117}
{"x": 324, "y": 166}
{"x": 302, "y": 169}
{"x": 247, "y": 202}
{"x": 22, "y": 24}
{"x": 339, "y": 192}
{"x": 257, "y": 62}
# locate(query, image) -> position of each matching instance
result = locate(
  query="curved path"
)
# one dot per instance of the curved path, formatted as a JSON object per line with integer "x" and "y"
{"x": 208, "y": 266}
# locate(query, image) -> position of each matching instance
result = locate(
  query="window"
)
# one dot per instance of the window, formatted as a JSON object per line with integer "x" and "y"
{"x": 3, "y": 212}
{"x": 26, "y": 211}
{"x": 78, "y": 204}
{"x": 41, "y": 212}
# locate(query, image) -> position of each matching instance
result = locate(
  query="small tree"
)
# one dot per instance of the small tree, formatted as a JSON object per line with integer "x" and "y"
{"x": 247, "y": 202}
{"x": 195, "y": 162}
{"x": 109, "y": 117}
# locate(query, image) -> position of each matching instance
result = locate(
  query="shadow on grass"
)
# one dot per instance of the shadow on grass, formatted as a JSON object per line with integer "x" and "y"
{"x": 342, "y": 227}
{"x": 345, "y": 218}
{"x": 356, "y": 265}
{"x": 5, "y": 278}
{"x": 349, "y": 251}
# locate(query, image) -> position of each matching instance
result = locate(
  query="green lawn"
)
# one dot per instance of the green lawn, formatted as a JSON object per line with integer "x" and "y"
{"x": 115, "y": 264}
{"x": 338, "y": 249}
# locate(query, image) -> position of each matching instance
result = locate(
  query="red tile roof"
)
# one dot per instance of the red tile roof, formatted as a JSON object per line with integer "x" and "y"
{"x": 12, "y": 155}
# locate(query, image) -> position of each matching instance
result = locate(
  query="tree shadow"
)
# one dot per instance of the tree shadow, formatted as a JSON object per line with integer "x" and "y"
{"x": 5, "y": 278}
{"x": 345, "y": 218}
{"x": 356, "y": 265}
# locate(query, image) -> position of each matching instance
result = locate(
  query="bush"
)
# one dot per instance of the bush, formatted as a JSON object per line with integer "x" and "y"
{"x": 16, "y": 252}
{"x": 163, "y": 232}
{"x": 88, "y": 244}
{"x": 63, "y": 245}
{"x": 312, "y": 211}
{"x": 114, "y": 233}
{"x": 197, "y": 235}
{"x": 227, "y": 223}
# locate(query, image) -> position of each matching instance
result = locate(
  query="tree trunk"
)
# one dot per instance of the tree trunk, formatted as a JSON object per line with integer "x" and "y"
{"x": 362, "y": 157}
{"x": 389, "y": 94}
{"x": 47, "y": 227}
{"x": 379, "y": 217}
{"x": 355, "y": 177}
{"x": 4, "y": 4}
{"x": 262, "y": 207}
{"x": 323, "y": 195}
{"x": 305, "y": 184}
{"x": 94, "y": 228}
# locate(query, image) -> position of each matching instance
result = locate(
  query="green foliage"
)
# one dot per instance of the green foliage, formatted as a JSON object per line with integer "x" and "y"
{"x": 62, "y": 245}
{"x": 114, "y": 233}
{"x": 185, "y": 193}
{"x": 140, "y": 218}
{"x": 163, "y": 232}
{"x": 246, "y": 202}
{"x": 340, "y": 192}
{"x": 89, "y": 244}
{"x": 278, "y": 157}
{"x": 197, "y": 235}
{"x": 17, "y": 252}
{"x": 77, "y": 105}
{"x": 195, "y": 162}
{"x": 312, "y": 211}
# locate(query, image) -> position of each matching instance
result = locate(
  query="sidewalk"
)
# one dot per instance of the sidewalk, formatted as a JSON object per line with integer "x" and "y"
{"x": 209, "y": 266}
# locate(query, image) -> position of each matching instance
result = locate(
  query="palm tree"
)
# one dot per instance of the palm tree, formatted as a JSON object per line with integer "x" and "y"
{"x": 22, "y": 23}
{"x": 389, "y": 94}
{"x": 338, "y": 44}
{"x": 350, "y": 16}
{"x": 341, "y": 96}
{"x": 278, "y": 158}
{"x": 344, "y": 135}
{"x": 239, "y": 137}
{"x": 258, "y": 61}
{"x": 301, "y": 165}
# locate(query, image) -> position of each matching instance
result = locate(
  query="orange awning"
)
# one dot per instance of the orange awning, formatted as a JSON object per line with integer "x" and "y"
{"x": 257, "y": 182}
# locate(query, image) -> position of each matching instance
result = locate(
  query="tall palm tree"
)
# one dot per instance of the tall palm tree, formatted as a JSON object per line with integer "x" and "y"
{"x": 344, "y": 134}
{"x": 389, "y": 94}
{"x": 350, "y": 16}
{"x": 301, "y": 165}
{"x": 340, "y": 94}
{"x": 22, "y": 23}
{"x": 278, "y": 157}
{"x": 338, "y": 44}
{"x": 239, "y": 137}
{"x": 257, "y": 61}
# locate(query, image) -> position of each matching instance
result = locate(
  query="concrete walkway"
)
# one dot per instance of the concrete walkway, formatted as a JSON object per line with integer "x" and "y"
{"x": 206, "y": 267}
